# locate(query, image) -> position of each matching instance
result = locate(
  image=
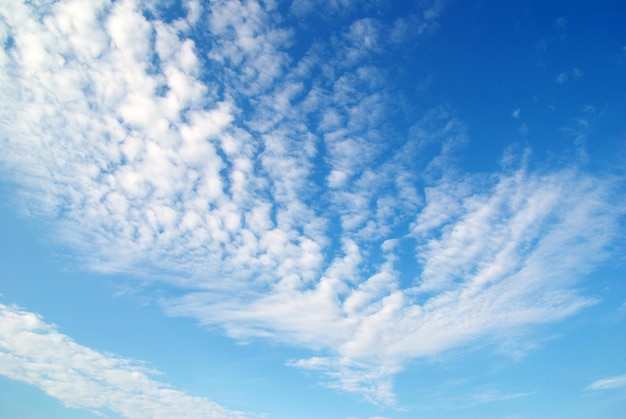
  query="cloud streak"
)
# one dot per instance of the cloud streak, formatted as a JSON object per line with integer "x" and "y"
{"x": 36, "y": 353}
{"x": 608, "y": 383}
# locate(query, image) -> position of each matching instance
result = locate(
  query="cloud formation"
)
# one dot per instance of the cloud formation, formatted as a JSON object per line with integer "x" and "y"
{"x": 608, "y": 383}
{"x": 36, "y": 353}
{"x": 271, "y": 190}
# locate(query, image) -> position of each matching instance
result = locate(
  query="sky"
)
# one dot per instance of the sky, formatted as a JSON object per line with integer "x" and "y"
{"x": 286, "y": 209}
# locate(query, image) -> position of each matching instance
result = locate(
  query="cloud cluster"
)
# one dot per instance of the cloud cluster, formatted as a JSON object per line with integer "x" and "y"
{"x": 36, "y": 353}
{"x": 491, "y": 259}
{"x": 276, "y": 190}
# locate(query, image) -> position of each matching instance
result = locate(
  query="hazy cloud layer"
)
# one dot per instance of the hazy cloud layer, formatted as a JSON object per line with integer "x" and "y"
{"x": 271, "y": 190}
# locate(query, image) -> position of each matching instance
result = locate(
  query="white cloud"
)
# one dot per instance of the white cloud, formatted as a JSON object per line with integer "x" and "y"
{"x": 523, "y": 129}
{"x": 487, "y": 268}
{"x": 561, "y": 24}
{"x": 211, "y": 177}
{"x": 608, "y": 383}
{"x": 577, "y": 73}
{"x": 302, "y": 8}
{"x": 423, "y": 21}
{"x": 465, "y": 393}
{"x": 36, "y": 353}
{"x": 574, "y": 74}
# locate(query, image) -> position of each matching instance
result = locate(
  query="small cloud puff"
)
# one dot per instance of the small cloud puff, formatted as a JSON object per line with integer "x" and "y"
{"x": 562, "y": 78}
{"x": 561, "y": 24}
{"x": 577, "y": 73}
{"x": 574, "y": 74}
{"x": 523, "y": 129}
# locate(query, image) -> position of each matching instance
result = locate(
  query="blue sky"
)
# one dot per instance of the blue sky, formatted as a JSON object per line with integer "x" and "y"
{"x": 293, "y": 209}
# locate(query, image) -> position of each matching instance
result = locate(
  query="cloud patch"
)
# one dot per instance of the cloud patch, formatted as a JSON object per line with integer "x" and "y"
{"x": 36, "y": 353}
{"x": 608, "y": 383}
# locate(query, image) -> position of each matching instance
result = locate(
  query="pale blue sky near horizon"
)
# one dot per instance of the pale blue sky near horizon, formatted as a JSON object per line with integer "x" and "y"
{"x": 277, "y": 209}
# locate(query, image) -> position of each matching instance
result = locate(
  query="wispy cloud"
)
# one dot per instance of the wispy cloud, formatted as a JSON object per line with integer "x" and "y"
{"x": 574, "y": 74}
{"x": 36, "y": 353}
{"x": 465, "y": 393}
{"x": 608, "y": 383}
{"x": 561, "y": 25}
{"x": 492, "y": 396}
{"x": 276, "y": 194}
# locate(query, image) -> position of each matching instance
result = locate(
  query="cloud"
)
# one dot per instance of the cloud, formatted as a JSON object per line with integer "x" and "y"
{"x": 523, "y": 129}
{"x": 36, "y": 353}
{"x": 574, "y": 74}
{"x": 280, "y": 197}
{"x": 608, "y": 383}
{"x": 491, "y": 396}
{"x": 561, "y": 25}
{"x": 465, "y": 393}
{"x": 423, "y": 21}
{"x": 577, "y": 73}
{"x": 487, "y": 267}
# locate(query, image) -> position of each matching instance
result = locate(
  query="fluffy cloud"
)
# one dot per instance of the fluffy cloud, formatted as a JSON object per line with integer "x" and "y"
{"x": 487, "y": 249}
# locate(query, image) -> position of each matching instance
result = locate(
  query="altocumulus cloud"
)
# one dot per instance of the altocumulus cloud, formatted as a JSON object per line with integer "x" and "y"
{"x": 35, "y": 352}
{"x": 272, "y": 192}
